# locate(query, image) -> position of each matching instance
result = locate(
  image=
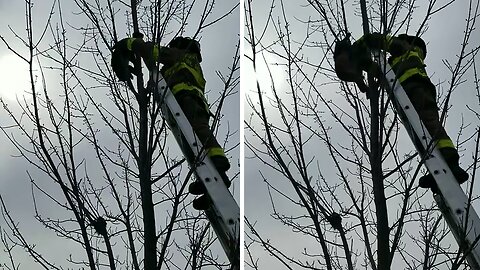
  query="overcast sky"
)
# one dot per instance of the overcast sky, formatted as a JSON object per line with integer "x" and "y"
{"x": 218, "y": 48}
{"x": 443, "y": 37}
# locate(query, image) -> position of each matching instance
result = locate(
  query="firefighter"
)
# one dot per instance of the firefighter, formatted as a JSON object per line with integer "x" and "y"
{"x": 407, "y": 55}
{"x": 183, "y": 74}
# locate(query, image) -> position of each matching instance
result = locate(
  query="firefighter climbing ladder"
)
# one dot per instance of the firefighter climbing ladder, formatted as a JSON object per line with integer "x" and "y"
{"x": 450, "y": 198}
{"x": 224, "y": 213}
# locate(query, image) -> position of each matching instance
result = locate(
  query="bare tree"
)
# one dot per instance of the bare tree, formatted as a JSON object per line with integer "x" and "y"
{"x": 119, "y": 179}
{"x": 339, "y": 170}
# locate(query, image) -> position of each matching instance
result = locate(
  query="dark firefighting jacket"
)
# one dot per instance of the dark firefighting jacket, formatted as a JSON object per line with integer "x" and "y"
{"x": 406, "y": 63}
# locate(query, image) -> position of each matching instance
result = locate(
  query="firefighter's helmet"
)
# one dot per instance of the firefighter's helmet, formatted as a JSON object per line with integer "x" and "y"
{"x": 416, "y": 41}
{"x": 188, "y": 44}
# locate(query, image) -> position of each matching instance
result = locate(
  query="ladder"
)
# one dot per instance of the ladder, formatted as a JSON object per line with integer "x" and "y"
{"x": 454, "y": 205}
{"x": 224, "y": 213}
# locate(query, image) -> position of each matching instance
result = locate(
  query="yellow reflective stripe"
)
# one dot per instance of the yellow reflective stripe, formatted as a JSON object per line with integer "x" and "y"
{"x": 419, "y": 51}
{"x": 184, "y": 86}
{"x": 410, "y": 72}
{"x": 405, "y": 56}
{"x": 445, "y": 143}
{"x": 179, "y": 66}
{"x": 398, "y": 59}
{"x": 216, "y": 151}
{"x": 130, "y": 43}
{"x": 414, "y": 53}
{"x": 155, "y": 53}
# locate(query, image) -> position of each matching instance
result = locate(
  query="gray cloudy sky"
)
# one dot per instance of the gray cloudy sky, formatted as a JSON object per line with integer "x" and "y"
{"x": 443, "y": 36}
{"x": 218, "y": 47}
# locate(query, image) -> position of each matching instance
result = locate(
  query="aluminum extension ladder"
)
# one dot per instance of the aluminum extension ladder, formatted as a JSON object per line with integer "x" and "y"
{"x": 450, "y": 198}
{"x": 224, "y": 213}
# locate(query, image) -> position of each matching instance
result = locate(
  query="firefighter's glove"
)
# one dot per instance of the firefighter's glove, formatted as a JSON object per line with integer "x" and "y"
{"x": 121, "y": 57}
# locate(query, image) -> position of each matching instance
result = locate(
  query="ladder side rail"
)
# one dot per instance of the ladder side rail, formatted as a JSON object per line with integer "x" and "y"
{"x": 452, "y": 200}
{"x": 434, "y": 162}
{"x": 224, "y": 214}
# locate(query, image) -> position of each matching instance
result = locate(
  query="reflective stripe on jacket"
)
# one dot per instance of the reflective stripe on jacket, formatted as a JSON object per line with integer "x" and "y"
{"x": 405, "y": 64}
{"x": 181, "y": 71}
{"x": 408, "y": 64}
{"x": 185, "y": 75}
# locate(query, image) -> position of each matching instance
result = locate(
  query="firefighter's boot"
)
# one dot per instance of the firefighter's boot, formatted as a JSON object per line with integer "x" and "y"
{"x": 222, "y": 165}
{"x": 197, "y": 188}
{"x": 451, "y": 157}
{"x": 427, "y": 181}
{"x": 201, "y": 203}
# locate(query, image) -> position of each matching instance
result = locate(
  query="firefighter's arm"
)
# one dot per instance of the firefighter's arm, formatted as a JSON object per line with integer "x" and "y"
{"x": 391, "y": 44}
{"x": 167, "y": 56}
{"x": 152, "y": 53}
{"x": 376, "y": 41}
